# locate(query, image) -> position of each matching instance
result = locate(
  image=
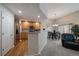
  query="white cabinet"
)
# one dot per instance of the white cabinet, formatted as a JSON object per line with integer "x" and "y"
{"x": 7, "y": 27}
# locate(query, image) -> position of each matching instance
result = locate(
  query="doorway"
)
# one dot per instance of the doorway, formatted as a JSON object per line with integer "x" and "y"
{"x": 17, "y": 32}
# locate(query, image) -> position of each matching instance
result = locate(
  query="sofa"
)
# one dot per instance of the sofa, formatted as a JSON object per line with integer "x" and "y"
{"x": 68, "y": 41}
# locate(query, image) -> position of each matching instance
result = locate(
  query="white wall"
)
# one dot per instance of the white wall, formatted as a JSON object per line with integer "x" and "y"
{"x": 7, "y": 29}
{"x": 71, "y": 18}
{"x": 66, "y": 20}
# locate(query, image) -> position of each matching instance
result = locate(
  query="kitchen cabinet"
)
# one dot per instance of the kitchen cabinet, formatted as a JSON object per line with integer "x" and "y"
{"x": 6, "y": 30}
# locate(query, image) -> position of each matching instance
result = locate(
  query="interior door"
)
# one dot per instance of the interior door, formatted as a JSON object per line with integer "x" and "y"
{"x": 10, "y": 18}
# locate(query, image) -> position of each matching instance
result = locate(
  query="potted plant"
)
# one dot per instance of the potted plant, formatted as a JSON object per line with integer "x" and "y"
{"x": 75, "y": 30}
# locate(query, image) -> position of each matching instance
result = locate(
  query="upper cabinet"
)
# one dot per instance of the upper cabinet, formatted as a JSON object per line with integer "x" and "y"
{"x": 27, "y": 25}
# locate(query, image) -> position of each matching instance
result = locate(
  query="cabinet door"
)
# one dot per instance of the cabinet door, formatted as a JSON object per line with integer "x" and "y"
{"x": 7, "y": 30}
{"x": 4, "y": 31}
{"x": 10, "y": 18}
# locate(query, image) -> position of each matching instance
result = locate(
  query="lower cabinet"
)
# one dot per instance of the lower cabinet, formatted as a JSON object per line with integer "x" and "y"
{"x": 33, "y": 43}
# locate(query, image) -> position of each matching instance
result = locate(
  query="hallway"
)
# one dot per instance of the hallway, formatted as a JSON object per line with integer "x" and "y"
{"x": 20, "y": 49}
{"x": 54, "y": 48}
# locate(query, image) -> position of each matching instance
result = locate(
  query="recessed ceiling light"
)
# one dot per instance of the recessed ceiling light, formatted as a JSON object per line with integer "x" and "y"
{"x": 38, "y": 16}
{"x": 19, "y": 11}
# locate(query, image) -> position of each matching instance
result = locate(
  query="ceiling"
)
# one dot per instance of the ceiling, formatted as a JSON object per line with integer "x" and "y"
{"x": 49, "y": 10}
{"x": 57, "y": 10}
{"x": 29, "y": 10}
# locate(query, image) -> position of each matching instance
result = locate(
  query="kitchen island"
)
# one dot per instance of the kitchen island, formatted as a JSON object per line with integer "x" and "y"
{"x": 33, "y": 43}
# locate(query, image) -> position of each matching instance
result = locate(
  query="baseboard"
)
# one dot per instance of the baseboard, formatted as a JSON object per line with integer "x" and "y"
{"x": 3, "y": 54}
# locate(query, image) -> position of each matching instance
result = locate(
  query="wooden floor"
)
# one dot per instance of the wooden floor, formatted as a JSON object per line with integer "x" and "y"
{"x": 20, "y": 49}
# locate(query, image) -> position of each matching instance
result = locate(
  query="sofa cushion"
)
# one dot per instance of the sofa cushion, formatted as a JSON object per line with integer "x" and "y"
{"x": 68, "y": 37}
